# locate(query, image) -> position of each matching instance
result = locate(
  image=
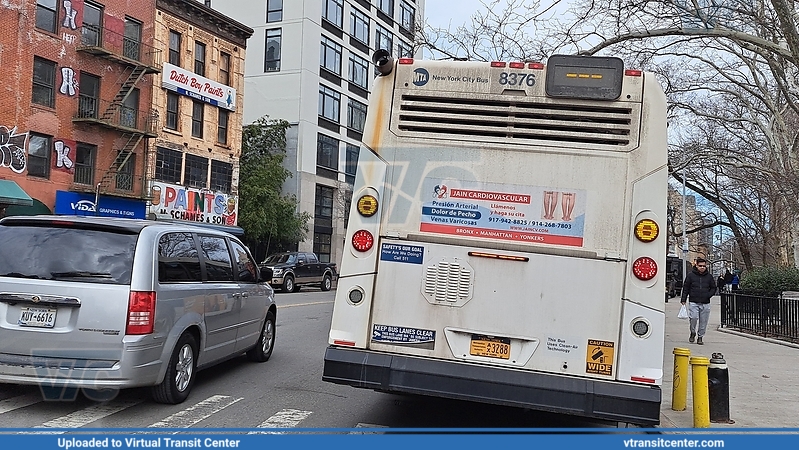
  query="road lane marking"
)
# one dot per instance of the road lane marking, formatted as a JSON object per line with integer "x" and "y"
{"x": 87, "y": 415}
{"x": 287, "y": 418}
{"x": 18, "y": 402}
{"x": 197, "y": 413}
{"x": 305, "y": 304}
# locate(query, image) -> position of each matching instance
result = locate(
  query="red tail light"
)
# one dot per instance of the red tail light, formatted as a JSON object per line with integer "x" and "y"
{"x": 633, "y": 72}
{"x": 516, "y": 65}
{"x": 362, "y": 240}
{"x": 536, "y": 65}
{"x": 405, "y": 60}
{"x": 498, "y": 64}
{"x": 645, "y": 268}
{"x": 141, "y": 313}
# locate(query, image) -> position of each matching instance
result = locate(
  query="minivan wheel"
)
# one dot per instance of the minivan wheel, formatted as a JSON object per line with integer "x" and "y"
{"x": 288, "y": 284}
{"x": 266, "y": 341}
{"x": 180, "y": 373}
{"x": 327, "y": 282}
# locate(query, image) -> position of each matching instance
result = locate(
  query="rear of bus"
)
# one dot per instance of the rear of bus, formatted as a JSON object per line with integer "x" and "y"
{"x": 503, "y": 244}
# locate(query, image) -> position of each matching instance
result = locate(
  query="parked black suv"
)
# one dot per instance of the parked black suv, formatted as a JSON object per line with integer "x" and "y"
{"x": 291, "y": 270}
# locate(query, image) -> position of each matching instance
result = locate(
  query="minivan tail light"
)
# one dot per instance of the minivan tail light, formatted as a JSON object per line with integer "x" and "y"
{"x": 141, "y": 312}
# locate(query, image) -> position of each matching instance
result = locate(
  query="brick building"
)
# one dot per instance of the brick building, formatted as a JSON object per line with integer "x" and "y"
{"x": 87, "y": 103}
{"x": 75, "y": 107}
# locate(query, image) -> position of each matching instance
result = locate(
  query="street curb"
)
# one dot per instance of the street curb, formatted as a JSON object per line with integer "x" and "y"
{"x": 756, "y": 337}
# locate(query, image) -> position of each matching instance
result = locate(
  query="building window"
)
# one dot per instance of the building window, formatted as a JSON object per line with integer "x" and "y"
{"x": 224, "y": 68}
{"x": 321, "y": 246}
{"x": 272, "y": 59}
{"x": 406, "y": 16}
{"x": 329, "y": 103}
{"x": 168, "y": 165}
{"x": 91, "y": 31}
{"x": 387, "y": 6}
{"x": 199, "y": 58}
{"x": 89, "y": 98}
{"x": 356, "y": 115}
{"x": 333, "y": 12}
{"x": 221, "y": 130}
{"x": 196, "y": 172}
{"x": 221, "y": 176}
{"x": 129, "y": 111}
{"x": 43, "y": 82}
{"x": 131, "y": 42}
{"x": 84, "y": 163}
{"x": 404, "y": 50}
{"x": 274, "y": 10}
{"x": 39, "y": 149}
{"x": 174, "y": 48}
{"x": 359, "y": 71}
{"x": 327, "y": 153}
{"x": 172, "y": 110}
{"x": 351, "y": 165}
{"x": 47, "y": 15}
{"x": 359, "y": 26}
{"x": 330, "y": 56}
{"x": 125, "y": 173}
{"x": 383, "y": 39}
{"x": 197, "y": 112}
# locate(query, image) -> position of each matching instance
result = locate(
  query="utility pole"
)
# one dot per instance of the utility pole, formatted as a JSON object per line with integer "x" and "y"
{"x": 684, "y": 235}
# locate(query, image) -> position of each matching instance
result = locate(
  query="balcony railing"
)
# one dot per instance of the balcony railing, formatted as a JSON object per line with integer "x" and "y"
{"x": 110, "y": 44}
{"x": 84, "y": 175}
{"x": 116, "y": 116}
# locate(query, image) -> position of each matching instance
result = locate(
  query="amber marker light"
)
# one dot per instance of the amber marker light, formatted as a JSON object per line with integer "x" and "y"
{"x": 367, "y": 206}
{"x": 646, "y": 230}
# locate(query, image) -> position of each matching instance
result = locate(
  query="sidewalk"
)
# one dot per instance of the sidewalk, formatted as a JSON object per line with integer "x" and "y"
{"x": 764, "y": 374}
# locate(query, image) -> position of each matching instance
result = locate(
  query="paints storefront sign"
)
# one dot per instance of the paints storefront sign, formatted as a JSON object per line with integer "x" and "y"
{"x": 170, "y": 201}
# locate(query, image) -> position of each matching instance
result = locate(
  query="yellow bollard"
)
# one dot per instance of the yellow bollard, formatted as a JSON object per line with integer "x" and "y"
{"x": 701, "y": 395}
{"x": 679, "y": 391}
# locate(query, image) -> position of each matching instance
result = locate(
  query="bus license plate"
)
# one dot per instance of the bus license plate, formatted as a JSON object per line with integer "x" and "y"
{"x": 490, "y": 346}
{"x": 37, "y": 317}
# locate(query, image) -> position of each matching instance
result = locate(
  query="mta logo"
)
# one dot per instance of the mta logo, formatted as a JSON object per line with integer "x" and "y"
{"x": 420, "y": 77}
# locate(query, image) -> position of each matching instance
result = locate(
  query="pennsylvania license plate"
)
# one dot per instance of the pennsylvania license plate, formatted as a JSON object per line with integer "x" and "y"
{"x": 37, "y": 317}
{"x": 490, "y": 346}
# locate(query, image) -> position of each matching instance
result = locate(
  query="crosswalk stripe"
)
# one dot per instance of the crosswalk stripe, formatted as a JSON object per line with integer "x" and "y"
{"x": 18, "y": 402}
{"x": 287, "y": 418}
{"x": 87, "y": 415}
{"x": 196, "y": 413}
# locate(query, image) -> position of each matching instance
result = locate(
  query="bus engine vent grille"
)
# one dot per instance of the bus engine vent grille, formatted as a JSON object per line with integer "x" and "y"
{"x": 448, "y": 281}
{"x": 520, "y": 120}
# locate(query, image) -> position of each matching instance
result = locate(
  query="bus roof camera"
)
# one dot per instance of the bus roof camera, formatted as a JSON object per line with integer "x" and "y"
{"x": 384, "y": 62}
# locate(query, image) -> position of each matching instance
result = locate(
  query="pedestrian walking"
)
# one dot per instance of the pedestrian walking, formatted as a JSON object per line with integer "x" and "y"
{"x": 698, "y": 287}
{"x": 734, "y": 282}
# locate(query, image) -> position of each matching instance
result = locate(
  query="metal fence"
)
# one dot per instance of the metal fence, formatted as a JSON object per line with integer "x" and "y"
{"x": 776, "y": 317}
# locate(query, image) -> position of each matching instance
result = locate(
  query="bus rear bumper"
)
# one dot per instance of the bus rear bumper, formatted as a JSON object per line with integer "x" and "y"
{"x": 599, "y": 399}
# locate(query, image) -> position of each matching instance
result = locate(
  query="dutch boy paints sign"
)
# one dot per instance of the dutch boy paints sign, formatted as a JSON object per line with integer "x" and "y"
{"x": 195, "y": 86}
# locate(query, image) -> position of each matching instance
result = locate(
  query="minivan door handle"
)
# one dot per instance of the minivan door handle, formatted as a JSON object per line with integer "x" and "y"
{"x": 244, "y": 294}
{"x": 236, "y": 295}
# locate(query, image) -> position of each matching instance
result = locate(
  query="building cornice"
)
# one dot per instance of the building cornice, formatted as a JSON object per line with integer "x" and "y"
{"x": 207, "y": 19}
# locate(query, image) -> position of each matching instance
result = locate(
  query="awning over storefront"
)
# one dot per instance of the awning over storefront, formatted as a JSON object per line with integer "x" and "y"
{"x": 36, "y": 209}
{"x": 12, "y": 194}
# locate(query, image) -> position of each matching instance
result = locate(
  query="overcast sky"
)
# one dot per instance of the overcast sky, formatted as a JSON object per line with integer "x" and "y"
{"x": 439, "y": 13}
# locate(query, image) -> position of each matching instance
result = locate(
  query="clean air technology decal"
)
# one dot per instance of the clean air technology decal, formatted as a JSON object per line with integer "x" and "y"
{"x": 535, "y": 214}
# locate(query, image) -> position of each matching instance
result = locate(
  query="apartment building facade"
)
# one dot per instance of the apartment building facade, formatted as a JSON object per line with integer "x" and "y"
{"x": 74, "y": 108}
{"x": 193, "y": 161}
{"x": 309, "y": 62}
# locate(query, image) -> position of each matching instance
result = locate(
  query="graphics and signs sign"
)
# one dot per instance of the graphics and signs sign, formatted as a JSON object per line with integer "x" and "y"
{"x": 198, "y": 87}
{"x": 172, "y": 201}
{"x": 534, "y": 214}
{"x": 82, "y": 204}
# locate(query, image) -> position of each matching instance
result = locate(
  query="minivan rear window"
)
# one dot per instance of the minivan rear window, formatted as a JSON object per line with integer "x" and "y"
{"x": 67, "y": 253}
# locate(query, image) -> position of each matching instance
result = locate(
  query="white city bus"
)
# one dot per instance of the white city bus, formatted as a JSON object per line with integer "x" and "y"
{"x": 503, "y": 242}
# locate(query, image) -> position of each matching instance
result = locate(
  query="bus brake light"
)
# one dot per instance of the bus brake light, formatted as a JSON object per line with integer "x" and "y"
{"x": 535, "y": 66}
{"x": 405, "y": 61}
{"x": 516, "y": 65}
{"x": 498, "y": 64}
{"x": 633, "y": 72}
{"x": 645, "y": 268}
{"x": 362, "y": 240}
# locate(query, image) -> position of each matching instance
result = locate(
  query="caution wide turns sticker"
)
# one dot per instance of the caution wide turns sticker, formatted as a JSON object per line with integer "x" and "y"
{"x": 599, "y": 357}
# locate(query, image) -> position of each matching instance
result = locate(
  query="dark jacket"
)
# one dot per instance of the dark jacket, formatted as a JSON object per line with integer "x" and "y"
{"x": 698, "y": 287}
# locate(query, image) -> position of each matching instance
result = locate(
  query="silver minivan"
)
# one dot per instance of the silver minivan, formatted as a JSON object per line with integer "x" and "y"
{"x": 103, "y": 304}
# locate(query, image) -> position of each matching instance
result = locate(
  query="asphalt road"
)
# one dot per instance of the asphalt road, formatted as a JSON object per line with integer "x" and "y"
{"x": 286, "y": 391}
